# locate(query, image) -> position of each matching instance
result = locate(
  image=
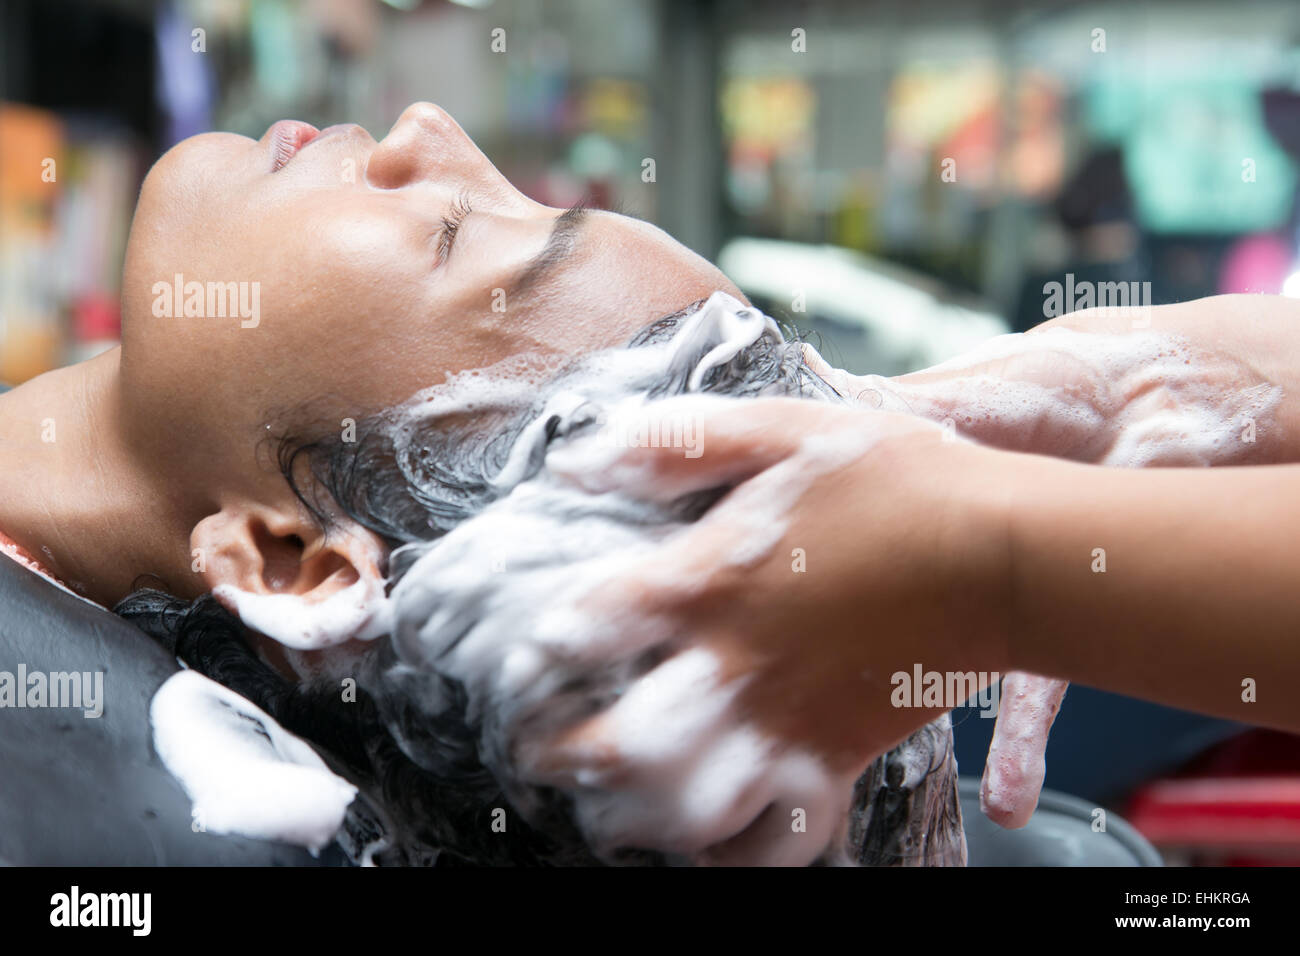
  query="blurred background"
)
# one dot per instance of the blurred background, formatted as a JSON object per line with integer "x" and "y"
{"x": 901, "y": 178}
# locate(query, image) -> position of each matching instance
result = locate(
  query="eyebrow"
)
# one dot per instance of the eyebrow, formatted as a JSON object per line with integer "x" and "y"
{"x": 558, "y": 246}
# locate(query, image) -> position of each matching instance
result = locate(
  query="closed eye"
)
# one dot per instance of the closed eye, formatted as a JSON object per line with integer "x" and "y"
{"x": 451, "y": 224}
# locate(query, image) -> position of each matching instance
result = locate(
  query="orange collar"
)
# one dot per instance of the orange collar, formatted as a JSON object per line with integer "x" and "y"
{"x": 12, "y": 549}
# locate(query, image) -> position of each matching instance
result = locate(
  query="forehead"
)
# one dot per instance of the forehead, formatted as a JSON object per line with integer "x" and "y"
{"x": 635, "y": 273}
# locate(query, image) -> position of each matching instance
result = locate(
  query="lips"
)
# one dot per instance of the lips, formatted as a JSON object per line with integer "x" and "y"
{"x": 286, "y": 138}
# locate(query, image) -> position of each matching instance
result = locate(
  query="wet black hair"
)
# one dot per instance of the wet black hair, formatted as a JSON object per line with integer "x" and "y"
{"x": 441, "y": 808}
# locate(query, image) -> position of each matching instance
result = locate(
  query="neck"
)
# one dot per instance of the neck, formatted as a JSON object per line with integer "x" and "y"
{"x": 73, "y": 496}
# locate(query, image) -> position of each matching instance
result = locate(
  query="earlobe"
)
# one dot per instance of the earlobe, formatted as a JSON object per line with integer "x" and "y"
{"x": 285, "y": 577}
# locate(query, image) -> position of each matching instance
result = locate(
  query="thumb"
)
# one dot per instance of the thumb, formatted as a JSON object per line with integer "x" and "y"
{"x": 665, "y": 449}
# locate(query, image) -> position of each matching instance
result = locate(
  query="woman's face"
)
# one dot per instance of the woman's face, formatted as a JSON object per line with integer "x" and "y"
{"x": 369, "y": 270}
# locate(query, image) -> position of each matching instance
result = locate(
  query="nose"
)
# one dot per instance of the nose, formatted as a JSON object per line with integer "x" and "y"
{"x": 426, "y": 145}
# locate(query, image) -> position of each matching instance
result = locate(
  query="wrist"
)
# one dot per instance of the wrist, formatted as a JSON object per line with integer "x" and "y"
{"x": 987, "y": 554}
{"x": 962, "y": 535}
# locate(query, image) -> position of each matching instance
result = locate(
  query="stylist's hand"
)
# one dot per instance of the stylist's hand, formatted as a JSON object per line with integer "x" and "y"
{"x": 855, "y": 545}
{"x": 1103, "y": 387}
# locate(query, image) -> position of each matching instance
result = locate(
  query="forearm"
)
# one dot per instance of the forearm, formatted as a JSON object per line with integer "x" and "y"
{"x": 1259, "y": 333}
{"x": 1242, "y": 339}
{"x": 1173, "y": 585}
{"x": 1092, "y": 386}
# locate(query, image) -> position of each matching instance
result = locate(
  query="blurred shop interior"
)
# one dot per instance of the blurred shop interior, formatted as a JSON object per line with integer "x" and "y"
{"x": 898, "y": 178}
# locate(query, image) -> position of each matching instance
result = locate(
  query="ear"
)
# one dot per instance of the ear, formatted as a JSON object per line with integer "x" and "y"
{"x": 285, "y": 577}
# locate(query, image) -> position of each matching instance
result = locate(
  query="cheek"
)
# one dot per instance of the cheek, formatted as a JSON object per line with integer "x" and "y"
{"x": 342, "y": 270}
{"x": 194, "y": 208}
{"x": 348, "y": 308}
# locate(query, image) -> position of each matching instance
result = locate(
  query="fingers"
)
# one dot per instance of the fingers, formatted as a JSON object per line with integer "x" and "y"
{"x": 661, "y": 721}
{"x": 672, "y": 766}
{"x": 838, "y": 379}
{"x": 865, "y": 391}
{"x": 806, "y": 816}
{"x": 1016, "y": 765}
{"x": 667, "y": 766}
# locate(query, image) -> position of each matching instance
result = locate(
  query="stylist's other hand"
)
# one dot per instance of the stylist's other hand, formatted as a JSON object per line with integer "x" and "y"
{"x": 853, "y": 546}
{"x": 1090, "y": 387}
